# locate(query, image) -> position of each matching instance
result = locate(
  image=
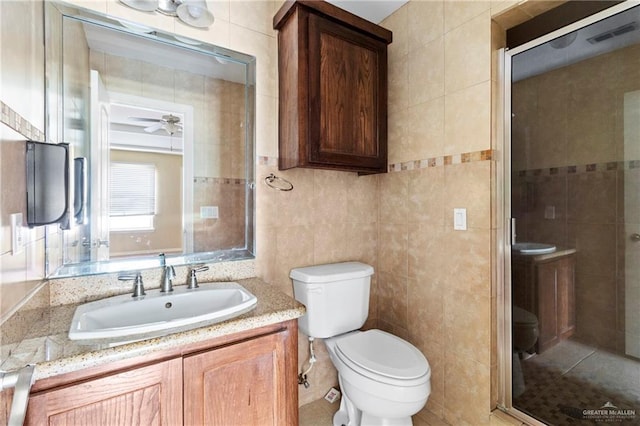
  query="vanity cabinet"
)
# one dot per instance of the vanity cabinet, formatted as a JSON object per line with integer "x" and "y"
{"x": 246, "y": 378}
{"x": 332, "y": 69}
{"x": 150, "y": 395}
{"x": 545, "y": 286}
{"x": 237, "y": 385}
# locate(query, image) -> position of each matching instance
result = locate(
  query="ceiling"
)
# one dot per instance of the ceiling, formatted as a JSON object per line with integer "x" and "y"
{"x": 128, "y": 45}
{"x": 545, "y": 57}
{"x": 372, "y": 10}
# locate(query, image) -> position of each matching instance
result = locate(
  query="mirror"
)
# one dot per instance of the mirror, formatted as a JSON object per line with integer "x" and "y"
{"x": 161, "y": 131}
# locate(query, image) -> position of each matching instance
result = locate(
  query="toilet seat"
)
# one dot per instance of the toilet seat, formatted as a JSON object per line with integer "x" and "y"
{"x": 384, "y": 357}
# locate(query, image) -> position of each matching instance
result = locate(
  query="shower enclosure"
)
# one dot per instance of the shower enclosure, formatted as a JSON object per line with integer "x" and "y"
{"x": 574, "y": 183}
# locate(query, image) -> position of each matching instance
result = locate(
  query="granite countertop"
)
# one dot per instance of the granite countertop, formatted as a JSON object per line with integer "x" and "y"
{"x": 47, "y": 344}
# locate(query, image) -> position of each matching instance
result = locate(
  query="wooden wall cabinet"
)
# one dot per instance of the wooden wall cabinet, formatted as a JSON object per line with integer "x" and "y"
{"x": 332, "y": 69}
{"x": 249, "y": 381}
{"x": 546, "y": 288}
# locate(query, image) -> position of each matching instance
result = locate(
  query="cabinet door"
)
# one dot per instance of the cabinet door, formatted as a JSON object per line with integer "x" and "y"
{"x": 522, "y": 285}
{"x": 150, "y": 395}
{"x": 547, "y": 276}
{"x": 566, "y": 297}
{"x": 240, "y": 384}
{"x": 347, "y": 97}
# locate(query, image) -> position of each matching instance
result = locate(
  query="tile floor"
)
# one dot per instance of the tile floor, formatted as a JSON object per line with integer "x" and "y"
{"x": 570, "y": 377}
{"x": 320, "y": 413}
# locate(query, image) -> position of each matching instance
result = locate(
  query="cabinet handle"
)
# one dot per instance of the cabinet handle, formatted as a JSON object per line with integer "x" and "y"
{"x": 635, "y": 237}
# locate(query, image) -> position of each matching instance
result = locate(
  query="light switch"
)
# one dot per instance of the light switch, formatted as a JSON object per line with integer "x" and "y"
{"x": 550, "y": 212}
{"x": 460, "y": 219}
{"x": 17, "y": 234}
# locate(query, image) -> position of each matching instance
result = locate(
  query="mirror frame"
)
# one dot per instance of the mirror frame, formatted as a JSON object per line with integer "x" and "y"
{"x": 55, "y": 247}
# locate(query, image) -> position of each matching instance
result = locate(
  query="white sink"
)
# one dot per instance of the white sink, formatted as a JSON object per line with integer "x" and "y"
{"x": 533, "y": 248}
{"x": 125, "y": 317}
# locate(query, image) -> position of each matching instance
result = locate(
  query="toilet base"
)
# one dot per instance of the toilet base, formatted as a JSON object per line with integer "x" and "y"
{"x": 341, "y": 419}
{"x": 349, "y": 415}
{"x": 376, "y": 421}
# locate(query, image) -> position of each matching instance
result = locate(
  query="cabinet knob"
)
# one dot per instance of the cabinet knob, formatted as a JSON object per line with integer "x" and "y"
{"x": 635, "y": 237}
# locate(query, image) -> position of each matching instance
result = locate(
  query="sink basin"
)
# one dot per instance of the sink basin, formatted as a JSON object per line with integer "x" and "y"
{"x": 125, "y": 317}
{"x": 533, "y": 248}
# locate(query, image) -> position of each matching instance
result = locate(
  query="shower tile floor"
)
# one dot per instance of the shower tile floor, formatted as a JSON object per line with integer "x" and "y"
{"x": 571, "y": 377}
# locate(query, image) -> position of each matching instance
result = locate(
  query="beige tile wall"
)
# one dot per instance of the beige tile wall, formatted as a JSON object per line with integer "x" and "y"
{"x": 328, "y": 217}
{"x": 21, "y": 90}
{"x": 227, "y": 231}
{"x": 434, "y": 283}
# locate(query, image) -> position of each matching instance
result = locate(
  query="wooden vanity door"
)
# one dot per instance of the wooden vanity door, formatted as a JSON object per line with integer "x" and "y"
{"x": 240, "y": 384}
{"x": 144, "y": 396}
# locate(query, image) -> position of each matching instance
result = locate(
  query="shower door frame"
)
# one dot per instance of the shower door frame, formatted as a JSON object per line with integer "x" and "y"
{"x": 503, "y": 189}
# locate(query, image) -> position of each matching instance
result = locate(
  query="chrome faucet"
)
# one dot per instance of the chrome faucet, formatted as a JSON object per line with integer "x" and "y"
{"x": 168, "y": 274}
{"x": 138, "y": 287}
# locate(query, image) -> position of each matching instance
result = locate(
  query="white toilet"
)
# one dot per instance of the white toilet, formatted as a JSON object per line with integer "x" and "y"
{"x": 384, "y": 379}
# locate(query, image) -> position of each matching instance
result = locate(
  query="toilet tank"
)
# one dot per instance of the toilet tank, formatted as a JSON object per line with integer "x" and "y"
{"x": 336, "y": 296}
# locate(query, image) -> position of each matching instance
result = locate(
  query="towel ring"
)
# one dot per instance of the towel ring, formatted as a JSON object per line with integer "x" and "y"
{"x": 278, "y": 183}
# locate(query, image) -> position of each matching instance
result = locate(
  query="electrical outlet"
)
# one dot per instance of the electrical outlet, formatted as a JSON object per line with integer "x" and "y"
{"x": 17, "y": 234}
{"x": 333, "y": 395}
{"x": 209, "y": 212}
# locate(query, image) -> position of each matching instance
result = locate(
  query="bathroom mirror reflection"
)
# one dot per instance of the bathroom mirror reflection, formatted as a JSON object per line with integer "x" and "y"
{"x": 165, "y": 124}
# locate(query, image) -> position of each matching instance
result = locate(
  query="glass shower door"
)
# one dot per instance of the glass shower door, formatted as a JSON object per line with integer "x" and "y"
{"x": 631, "y": 136}
{"x": 575, "y": 196}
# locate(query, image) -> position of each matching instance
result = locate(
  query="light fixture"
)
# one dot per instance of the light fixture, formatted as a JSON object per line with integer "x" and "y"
{"x": 192, "y": 12}
{"x": 564, "y": 41}
{"x": 143, "y": 5}
{"x": 195, "y": 13}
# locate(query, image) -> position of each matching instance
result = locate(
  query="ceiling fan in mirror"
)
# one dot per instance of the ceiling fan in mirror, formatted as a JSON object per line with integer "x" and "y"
{"x": 169, "y": 123}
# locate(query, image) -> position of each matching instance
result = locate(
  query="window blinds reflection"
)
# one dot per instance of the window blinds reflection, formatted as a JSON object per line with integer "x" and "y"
{"x": 133, "y": 189}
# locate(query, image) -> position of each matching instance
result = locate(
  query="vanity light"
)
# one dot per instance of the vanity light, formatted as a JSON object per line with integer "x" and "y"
{"x": 195, "y": 13}
{"x": 192, "y": 12}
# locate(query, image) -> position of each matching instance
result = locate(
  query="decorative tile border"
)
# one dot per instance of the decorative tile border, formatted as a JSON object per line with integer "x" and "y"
{"x": 219, "y": 181}
{"x": 580, "y": 169}
{"x": 446, "y": 160}
{"x": 20, "y": 124}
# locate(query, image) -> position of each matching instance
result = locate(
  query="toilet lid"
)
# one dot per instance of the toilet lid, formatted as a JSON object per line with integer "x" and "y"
{"x": 384, "y": 354}
{"x": 520, "y": 316}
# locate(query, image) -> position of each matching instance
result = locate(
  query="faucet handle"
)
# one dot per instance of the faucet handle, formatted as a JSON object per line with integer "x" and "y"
{"x": 138, "y": 286}
{"x": 193, "y": 280}
{"x": 127, "y": 277}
